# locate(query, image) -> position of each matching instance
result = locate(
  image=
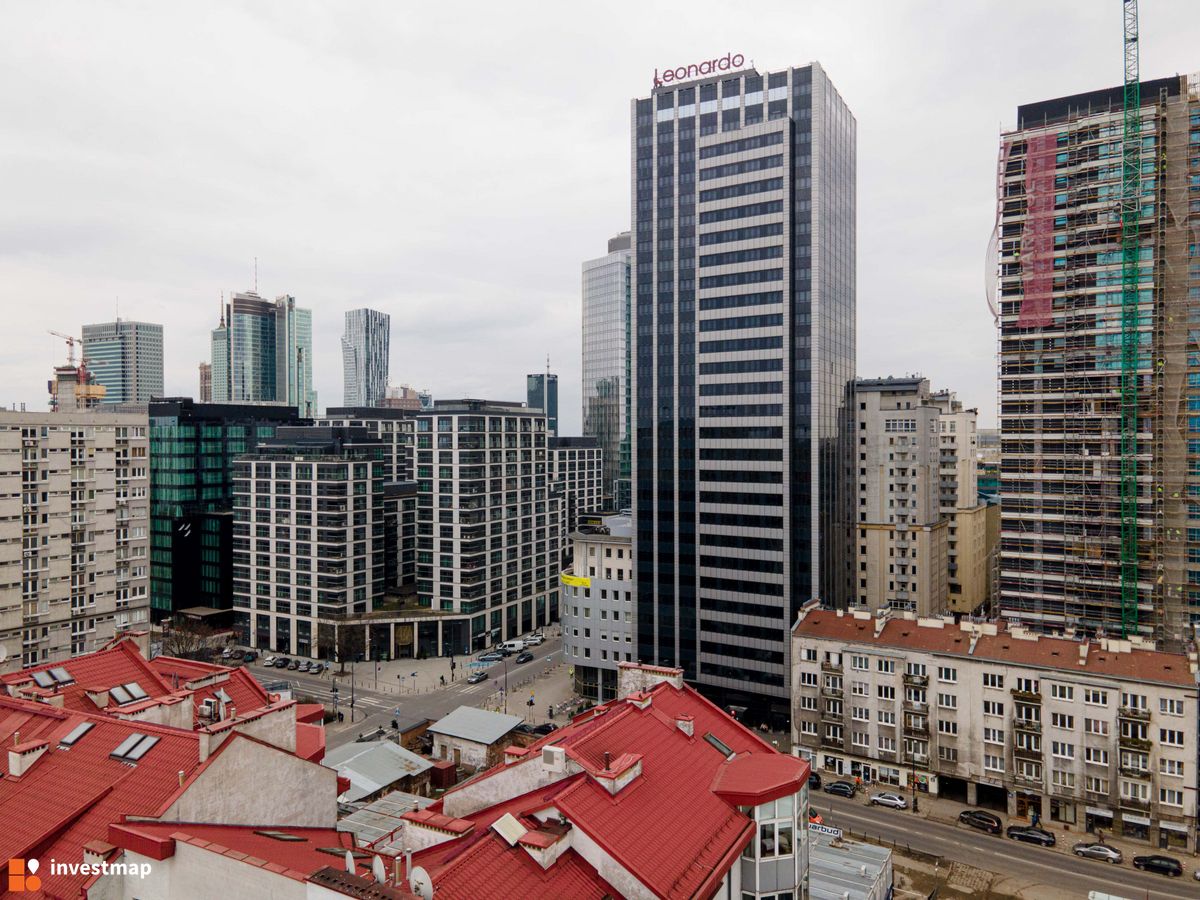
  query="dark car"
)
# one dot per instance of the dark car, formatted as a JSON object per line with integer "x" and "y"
{"x": 841, "y": 788}
{"x": 1030, "y": 835}
{"x": 1163, "y": 865}
{"x": 476, "y": 677}
{"x": 251, "y": 656}
{"x": 282, "y": 663}
{"x": 984, "y": 821}
{"x": 544, "y": 728}
{"x": 293, "y": 665}
{"x": 814, "y": 781}
{"x": 524, "y": 657}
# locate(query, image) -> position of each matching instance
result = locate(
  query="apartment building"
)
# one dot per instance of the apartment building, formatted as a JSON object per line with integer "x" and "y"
{"x": 393, "y": 427}
{"x": 598, "y": 612}
{"x": 74, "y": 532}
{"x": 922, "y": 536}
{"x": 1096, "y": 734}
{"x": 1097, "y": 529}
{"x": 489, "y": 528}
{"x": 308, "y": 536}
{"x": 577, "y": 464}
{"x": 365, "y": 347}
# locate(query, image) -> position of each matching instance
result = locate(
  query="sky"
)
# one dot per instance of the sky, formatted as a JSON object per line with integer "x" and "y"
{"x": 453, "y": 164}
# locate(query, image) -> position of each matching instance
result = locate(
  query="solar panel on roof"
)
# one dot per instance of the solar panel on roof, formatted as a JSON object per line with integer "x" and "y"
{"x": 61, "y": 675}
{"x": 126, "y": 745}
{"x": 121, "y": 695}
{"x": 135, "y": 691}
{"x": 43, "y": 679}
{"x": 76, "y": 733}
{"x": 140, "y": 750}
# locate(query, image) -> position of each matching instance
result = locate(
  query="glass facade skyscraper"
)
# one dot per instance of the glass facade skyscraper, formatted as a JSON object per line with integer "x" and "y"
{"x": 541, "y": 392}
{"x": 262, "y": 353}
{"x": 126, "y": 358}
{"x": 365, "y": 348}
{"x": 606, "y": 363}
{"x": 744, "y": 362}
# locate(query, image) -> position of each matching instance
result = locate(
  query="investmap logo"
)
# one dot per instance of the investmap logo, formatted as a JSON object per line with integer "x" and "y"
{"x": 22, "y": 876}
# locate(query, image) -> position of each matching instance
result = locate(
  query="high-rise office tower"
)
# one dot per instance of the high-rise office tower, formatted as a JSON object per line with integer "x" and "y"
{"x": 1064, "y": 376}
{"x": 365, "y": 357}
{"x": 127, "y": 358}
{"x": 206, "y": 382}
{"x": 744, "y": 312}
{"x": 74, "y": 539}
{"x": 262, "y": 353}
{"x": 541, "y": 391}
{"x": 606, "y": 363}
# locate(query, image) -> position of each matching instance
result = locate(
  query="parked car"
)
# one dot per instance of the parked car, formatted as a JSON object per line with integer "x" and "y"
{"x": 477, "y": 677}
{"x": 492, "y": 656}
{"x": 316, "y": 668}
{"x": 282, "y": 662}
{"x": 504, "y": 651}
{"x": 887, "y": 798}
{"x": 1096, "y": 850}
{"x": 814, "y": 781}
{"x": 978, "y": 818}
{"x": 535, "y": 639}
{"x": 841, "y": 788}
{"x": 269, "y": 660}
{"x": 814, "y": 818}
{"x": 227, "y": 653}
{"x": 294, "y": 665}
{"x": 1031, "y": 834}
{"x": 1156, "y": 862}
{"x": 249, "y": 656}
{"x": 545, "y": 728}
{"x": 524, "y": 656}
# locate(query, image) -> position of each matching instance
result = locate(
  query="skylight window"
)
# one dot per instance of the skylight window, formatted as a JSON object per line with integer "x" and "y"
{"x": 135, "y": 691}
{"x": 126, "y": 745}
{"x": 43, "y": 679}
{"x": 134, "y": 747}
{"x": 282, "y": 836}
{"x": 76, "y": 733}
{"x": 140, "y": 750}
{"x": 120, "y": 695}
{"x": 720, "y": 745}
{"x": 61, "y": 675}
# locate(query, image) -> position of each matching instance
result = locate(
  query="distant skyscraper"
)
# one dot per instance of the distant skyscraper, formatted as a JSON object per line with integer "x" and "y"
{"x": 365, "y": 357}
{"x": 206, "y": 382}
{"x": 542, "y": 393}
{"x": 744, "y": 309}
{"x": 606, "y": 363}
{"x": 262, "y": 353}
{"x": 127, "y": 358}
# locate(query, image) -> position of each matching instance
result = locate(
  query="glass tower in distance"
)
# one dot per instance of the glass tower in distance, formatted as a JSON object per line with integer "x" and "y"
{"x": 365, "y": 357}
{"x": 606, "y": 363}
{"x": 744, "y": 363}
{"x": 127, "y": 358}
{"x": 541, "y": 392}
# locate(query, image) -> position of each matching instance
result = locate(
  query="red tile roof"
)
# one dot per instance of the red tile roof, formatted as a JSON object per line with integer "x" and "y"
{"x": 1004, "y": 647}
{"x": 291, "y": 858}
{"x": 241, "y": 687}
{"x": 489, "y": 867}
{"x": 751, "y": 779}
{"x": 120, "y": 663}
{"x": 310, "y": 742}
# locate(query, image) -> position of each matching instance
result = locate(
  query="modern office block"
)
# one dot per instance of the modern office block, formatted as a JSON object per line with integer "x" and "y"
{"x": 127, "y": 358}
{"x": 308, "y": 536}
{"x": 74, "y": 532}
{"x": 577, "y": 465}
{"x": 541, "y": 392}
{"x": 393, "y": 427}
{"x": 365, "y": 357}
{"x": 488, "y": 518}
{"x": 206, "y": 382}
{"x": 192, "y": 448}
{"x": 1098, "y": 448}
{"x": 262, "y": 353}
{"x": 744, "y": 358}
{"x": 607, "y": 347}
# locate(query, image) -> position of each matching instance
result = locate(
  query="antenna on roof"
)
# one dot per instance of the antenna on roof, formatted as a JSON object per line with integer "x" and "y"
{"x": 256, "y": 274}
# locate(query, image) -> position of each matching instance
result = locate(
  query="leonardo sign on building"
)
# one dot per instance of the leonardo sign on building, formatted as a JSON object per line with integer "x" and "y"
{"x": 697, "y": 70}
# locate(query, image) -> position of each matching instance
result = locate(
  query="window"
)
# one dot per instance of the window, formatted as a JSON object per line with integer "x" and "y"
{"x": 1170, "y": 797}
{"x": 1135, "y": 761}
{"x": 1030, "y": 770}
{"x": 993, "y": 763}
{"x": 1170, "y": 707}
{"x": 859, "y": 663}
{"x": 860, "y": 688}
{"x": 807, "y": 727}
{"x": 861, "y": 739}
{"x": 1095, "y": 697}
{"x": 1062, "y": 692}
{"x": 887, "y": 666}
{"x": 1133, "y": 701}
{"x": 947, "y": 701}
{"x": 1098, "y": 786}
{"x": 809, "y": 703}
{"x": 860, "y": 714}
{"x": 833, "y": 732}
{"x": 993, "y": 680}
{"x": 886, "y": 717}
{"x": 1065, "y": 780}
{"x": 1135, "y": 790}
{"x": 810, "y": 654}
{"x": 915, "y": 669}
{"x": 887, "y": 744}
{"x": 1062, "y": 720}
{"x": 808, "y": 679}
{"x": 993, "y": 708}
{"x": 948, "y": 754}
{"x": 1172, "y": 767}
{"x": 1170, "y": 737}
{"x": 886, "y": 692}
{"x": 776, "y": 828}
{"x": 946, "y": 675}
{"x": 1062, "y": 750}
{"x": 946, "y": 726}
{"x": 993, "y": 736}
{"x": 1095, "y": 756}
{"x": 1096, "y": 726}
{"x": 1027, "y": 685}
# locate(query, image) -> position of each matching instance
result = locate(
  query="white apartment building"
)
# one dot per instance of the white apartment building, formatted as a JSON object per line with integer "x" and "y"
{"x": 1093, "y": 734}
{"x": 578, "y": 464}
{"x": 393, "y": 427}
{"x": 74, "y": 532}
{"x": 599, "y": 616}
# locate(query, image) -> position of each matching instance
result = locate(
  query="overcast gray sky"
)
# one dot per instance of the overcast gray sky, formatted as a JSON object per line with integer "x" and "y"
{"x": 452, "y": 164}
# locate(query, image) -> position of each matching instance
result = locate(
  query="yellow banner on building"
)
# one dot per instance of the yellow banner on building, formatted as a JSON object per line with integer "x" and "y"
{"x": 576, "y": 580}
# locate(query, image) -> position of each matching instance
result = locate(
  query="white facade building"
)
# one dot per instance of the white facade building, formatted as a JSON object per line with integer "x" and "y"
{"x": 365, "y": 348}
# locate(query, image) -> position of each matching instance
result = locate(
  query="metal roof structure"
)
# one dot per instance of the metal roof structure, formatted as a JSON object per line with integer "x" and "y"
{"x": 479, "y": 725}
{"x": 373, "y": 765}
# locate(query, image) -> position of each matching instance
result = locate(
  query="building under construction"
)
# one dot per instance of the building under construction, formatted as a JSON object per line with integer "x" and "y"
{"x": 1099, "y": 311}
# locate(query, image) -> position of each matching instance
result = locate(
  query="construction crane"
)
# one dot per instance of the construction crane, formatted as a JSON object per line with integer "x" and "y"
{"x": 71, "y": 342}
{"x": 1131, "y": 182}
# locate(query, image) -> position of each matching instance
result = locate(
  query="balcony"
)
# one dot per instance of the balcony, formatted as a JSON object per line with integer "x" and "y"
{"x": 828, "y": 741}
{"x": 1027, "y": 696}
{"x": 831, "y": 691}
{"x": 1028, "y": 781}
{"x": 1135, "y": 803}
{"x": 1134, "y": 743}
{"x": 919, "y": 759}
{"x": 828, "y": 666}
{"x": 916, "y": 680}
{"x": 829, "y": 715}
{"x": 915, "y": 706}
{"x": 1031, "y": 725}
{"x": 1140, "y": 774}
{"x": 1027, "y": 753}
{"x": 1134, "y": 712}
{"x": 916, "y": 729}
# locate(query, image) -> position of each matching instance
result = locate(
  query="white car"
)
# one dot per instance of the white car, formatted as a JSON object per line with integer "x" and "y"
{"x": 534, "y": 640}
{"x": 269, "y": 660}
{"x": 895, "y": 801}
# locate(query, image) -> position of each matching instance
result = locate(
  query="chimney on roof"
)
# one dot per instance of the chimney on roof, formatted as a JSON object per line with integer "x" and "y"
{"x": 607, "y": 760}
{"x": 181, "y": 777}
{"x": 22, "y": 758}
{"x": 1083, "y": 653}
{"x": 686, "y": 724}
{"x": 350, "y": 863}
{"x": 16, "y": 738}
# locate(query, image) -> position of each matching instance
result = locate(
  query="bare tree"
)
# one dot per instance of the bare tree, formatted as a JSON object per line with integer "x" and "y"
{"x": 188, "y": 639}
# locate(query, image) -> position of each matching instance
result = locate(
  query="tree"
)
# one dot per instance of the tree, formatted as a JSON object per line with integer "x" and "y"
{"x": 188, "y": 639}
{"x": 350, "y": 644}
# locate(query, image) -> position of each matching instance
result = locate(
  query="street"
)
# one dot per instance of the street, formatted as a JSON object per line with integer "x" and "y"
{"x": 1026, "y": 865}
{"x": 395, "y": 694}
